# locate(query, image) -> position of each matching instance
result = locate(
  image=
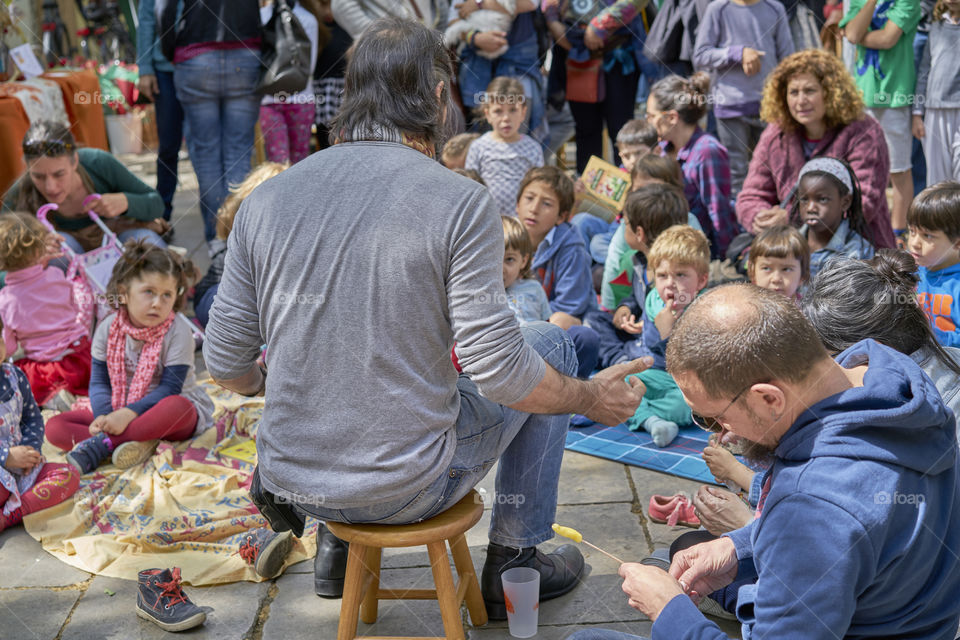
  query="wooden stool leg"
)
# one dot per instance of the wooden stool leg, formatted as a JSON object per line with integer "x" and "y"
{"x": 464, "y": 564}
{"x": 446, "y": 592}
{"x": 368, "y": 608}
{"x": 352, "y": 592}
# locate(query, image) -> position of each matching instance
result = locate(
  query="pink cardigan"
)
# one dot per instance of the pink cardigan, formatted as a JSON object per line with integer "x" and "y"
{"x": 778, "y": 158}
{"x": 38, "y": 312}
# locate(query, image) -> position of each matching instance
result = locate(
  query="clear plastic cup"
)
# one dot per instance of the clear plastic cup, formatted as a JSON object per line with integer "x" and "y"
{"x": 521, "y": 591}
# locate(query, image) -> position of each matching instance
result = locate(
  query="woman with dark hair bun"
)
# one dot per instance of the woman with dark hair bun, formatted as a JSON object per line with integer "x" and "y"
{"x": 674, "y": 108}
{"x": 851, "y": 300}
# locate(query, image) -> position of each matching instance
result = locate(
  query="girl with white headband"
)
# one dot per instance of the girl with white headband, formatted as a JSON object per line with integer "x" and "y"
{"x": 829, "y": 209}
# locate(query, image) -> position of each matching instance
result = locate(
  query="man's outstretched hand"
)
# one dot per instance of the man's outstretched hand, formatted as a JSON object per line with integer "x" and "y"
{"x": 614, "y": 399}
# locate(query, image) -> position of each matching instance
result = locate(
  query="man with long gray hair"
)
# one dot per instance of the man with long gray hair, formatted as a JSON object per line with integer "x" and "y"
{"x": 360, "y": 267}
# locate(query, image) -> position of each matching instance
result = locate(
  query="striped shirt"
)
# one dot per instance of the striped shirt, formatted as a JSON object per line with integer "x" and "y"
{"x": 502, "y": 166}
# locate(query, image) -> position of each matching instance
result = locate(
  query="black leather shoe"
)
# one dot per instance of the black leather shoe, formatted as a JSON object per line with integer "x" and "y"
{"x": 330, "y": 565}
{"x": 560, "y": 572}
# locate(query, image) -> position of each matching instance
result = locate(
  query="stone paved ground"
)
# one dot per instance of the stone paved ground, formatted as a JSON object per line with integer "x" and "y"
{"x": 42, "y": 598}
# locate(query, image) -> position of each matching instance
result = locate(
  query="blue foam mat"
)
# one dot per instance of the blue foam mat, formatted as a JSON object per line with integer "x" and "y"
{"x": 680, "y": 458}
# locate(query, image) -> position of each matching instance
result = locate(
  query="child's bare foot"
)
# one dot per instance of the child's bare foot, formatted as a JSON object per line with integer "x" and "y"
{"x": 721, "y": 462}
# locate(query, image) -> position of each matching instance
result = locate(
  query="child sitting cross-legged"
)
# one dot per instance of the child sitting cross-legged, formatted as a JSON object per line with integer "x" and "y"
{"x": 779, "y": 260}
{"x": 142, "y": 384}
{"x": 560, "y": 261}
{"x": 40, "y": 313}
{"x": 648, "y": 212}
{"x": 27, "y": 482}
{"x": 680, "y": 262}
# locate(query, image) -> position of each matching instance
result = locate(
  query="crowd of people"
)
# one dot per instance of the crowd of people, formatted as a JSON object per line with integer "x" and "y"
{"x": 755, "y": 283}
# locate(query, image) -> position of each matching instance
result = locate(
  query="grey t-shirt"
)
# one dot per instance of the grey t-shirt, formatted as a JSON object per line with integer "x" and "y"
{"x": 359, "y": 267}
{"x": 177, "y": 349}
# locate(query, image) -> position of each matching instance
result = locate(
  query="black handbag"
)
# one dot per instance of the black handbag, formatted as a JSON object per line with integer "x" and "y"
{"x": 285, "y": 53}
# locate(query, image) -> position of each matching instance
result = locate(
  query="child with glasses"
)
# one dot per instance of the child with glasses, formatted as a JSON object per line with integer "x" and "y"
{"x": 680, "y": 262}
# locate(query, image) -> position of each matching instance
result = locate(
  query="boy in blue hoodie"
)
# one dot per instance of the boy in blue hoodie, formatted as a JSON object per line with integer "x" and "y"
{"x": 859, "y": 528}
{"x": 933, "y": 221}
{"x": 560, "y": 260}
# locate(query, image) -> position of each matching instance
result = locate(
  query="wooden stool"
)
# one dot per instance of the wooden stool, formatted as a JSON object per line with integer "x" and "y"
{"x": 361, "y": 587}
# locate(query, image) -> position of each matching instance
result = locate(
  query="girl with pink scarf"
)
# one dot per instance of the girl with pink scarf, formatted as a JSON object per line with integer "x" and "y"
{"x": 142, "y": 383}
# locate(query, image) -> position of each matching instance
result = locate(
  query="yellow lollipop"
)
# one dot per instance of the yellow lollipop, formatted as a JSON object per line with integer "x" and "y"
{"x": 567, "y": 532}
{"x": 576, "y": 536}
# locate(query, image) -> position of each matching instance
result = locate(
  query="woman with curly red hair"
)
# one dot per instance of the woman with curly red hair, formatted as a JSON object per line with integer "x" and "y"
{"x": 814, "y": 109}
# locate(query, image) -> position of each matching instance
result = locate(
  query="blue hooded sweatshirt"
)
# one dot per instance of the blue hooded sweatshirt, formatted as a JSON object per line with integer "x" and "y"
{"x": 562, "y": 265}
{"x": 859, "y": 534}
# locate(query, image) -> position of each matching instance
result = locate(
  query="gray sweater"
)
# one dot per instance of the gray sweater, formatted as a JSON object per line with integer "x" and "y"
{"x": 725, "y": 30}
{"x": 359, "y": 267}
{"x": 938, "y": 80}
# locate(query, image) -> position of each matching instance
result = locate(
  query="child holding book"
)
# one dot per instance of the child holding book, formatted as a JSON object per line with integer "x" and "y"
{"x": 635, "y": 141}
{"x": 505, "y": 155}
{"x": 933, "y": 221}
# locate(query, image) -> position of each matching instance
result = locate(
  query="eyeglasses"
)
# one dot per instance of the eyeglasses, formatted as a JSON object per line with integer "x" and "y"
{"x": 49, "y": 148}
{"x": 713, "y": 424}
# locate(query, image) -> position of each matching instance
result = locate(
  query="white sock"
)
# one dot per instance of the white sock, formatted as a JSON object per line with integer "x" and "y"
{"x": 662, "y": 431}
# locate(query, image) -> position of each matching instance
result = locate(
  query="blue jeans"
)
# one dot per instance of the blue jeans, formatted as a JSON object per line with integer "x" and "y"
{"x": 133, "y": 234}
{"x": 201, "y": 307}
{"x": 529, "y": 447}
{"x": 170, "y": 135}
{"x": 221, "y": 109}
{"x": 596, "y": 233}
{"x": 586, "y": 343}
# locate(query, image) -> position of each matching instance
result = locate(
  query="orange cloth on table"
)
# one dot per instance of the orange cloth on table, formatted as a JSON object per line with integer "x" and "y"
{"x": 13, "y": 126}
{"x": 86, "y": 116}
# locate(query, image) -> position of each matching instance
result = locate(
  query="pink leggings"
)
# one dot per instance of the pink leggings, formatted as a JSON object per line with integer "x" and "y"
{"x": 56, "y": 483}
{"x": 173, "y": 418}
{"x": 286, "y": 131}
